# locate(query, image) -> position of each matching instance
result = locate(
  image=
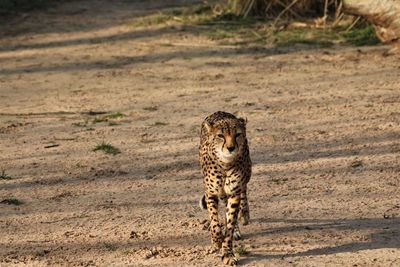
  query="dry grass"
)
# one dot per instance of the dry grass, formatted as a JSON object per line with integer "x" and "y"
{"x": 287, "y": 8}
{"x": 220, "y": 24}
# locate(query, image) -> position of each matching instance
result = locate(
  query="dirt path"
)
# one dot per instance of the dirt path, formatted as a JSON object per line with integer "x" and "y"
{"x": 323, "y": 126}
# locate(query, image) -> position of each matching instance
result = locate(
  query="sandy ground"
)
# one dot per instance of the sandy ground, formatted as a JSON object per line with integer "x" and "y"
{"x": 323, "y": 128}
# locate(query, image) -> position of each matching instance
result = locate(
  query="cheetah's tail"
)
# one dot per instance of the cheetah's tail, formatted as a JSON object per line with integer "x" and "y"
{"x": 203, "y": 203}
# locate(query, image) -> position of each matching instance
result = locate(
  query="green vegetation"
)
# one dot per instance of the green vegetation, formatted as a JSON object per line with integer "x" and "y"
{"x": 241, "y": 251}
{"x": 107, "y": 148}
{"x": 12, "y": 201}
{"x": 230, "y": 29}
{"x": 361, "y": 36}
{"x": 4, "y": 176}
{"x": 309, "y": 36}
{"x": 219, "y": 23}
{"x": 100, "y": 119}
{"x": 116, "y": 115}
{"x": 188, "y": 15}
{"x": 108, "y": 117}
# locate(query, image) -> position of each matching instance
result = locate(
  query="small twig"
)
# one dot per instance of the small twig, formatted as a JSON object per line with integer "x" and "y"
{"x": 339, "y": 12}
{"x": 290, "y": 10}
{"x": 325, "y": 12}
{"x": 52, "y": 145}
{"x": 249, "y": 7}
{"x": 268, "y": 6}
{"x": 284, "y": 11}
{"x": 337, "y": 20}
{"x": 353, "y": 24}
{"x": 256, "y": 34}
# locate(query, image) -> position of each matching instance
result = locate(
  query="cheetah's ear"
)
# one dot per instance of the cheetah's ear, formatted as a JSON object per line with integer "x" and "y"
{"x": 208, "y": 126}
{"x": 244, "y": 121}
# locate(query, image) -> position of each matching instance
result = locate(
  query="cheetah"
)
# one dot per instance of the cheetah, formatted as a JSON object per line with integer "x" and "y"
{"x": 226, "y": 166}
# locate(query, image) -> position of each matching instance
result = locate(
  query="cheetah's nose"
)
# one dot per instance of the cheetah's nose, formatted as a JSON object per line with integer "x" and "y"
{"x": 231, "y": 148}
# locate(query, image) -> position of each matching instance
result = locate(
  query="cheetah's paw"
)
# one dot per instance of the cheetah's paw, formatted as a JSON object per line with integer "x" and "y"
{"x": 229, "y": 259}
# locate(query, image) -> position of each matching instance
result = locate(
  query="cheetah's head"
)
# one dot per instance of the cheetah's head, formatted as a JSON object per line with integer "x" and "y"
{"x": 228, "y": 137}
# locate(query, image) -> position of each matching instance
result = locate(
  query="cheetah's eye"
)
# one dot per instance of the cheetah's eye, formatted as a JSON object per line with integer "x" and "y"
{"x": 220, "y": 135}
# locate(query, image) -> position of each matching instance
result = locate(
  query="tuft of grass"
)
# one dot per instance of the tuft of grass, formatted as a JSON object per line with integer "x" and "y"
{"x": 242, "y": 251}
{"x": 100, "y": 119}
{"x": 4, "y": 176}
{"x": 361, "y": 36}
{"x": 12, "y": 201}
{"x": 233, "y": 30}
{"x": 107, "y": 148}
{"x": 153, "y": 108}
{"x": 116, "y": 115}
{"x": 307, "y": 36}
{"x": 160, "y": 123}
{"x": 107, "y": 117}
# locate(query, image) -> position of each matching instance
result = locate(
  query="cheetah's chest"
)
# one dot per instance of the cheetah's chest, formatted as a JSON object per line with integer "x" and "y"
{"x": 225, "y": 182}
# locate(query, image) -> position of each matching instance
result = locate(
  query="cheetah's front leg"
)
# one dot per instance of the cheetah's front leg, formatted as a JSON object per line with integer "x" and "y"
{"x": 236, "y": 232}
{"x": 231, "y": 214}
{"x": 244, "y": 212}
{"x": 215, "y": 227}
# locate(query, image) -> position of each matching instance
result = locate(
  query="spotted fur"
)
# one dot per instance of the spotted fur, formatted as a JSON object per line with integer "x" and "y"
{"x": 226, "y": 166}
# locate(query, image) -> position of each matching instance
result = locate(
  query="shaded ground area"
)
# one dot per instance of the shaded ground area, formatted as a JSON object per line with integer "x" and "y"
{"x": 323, "y": 127}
